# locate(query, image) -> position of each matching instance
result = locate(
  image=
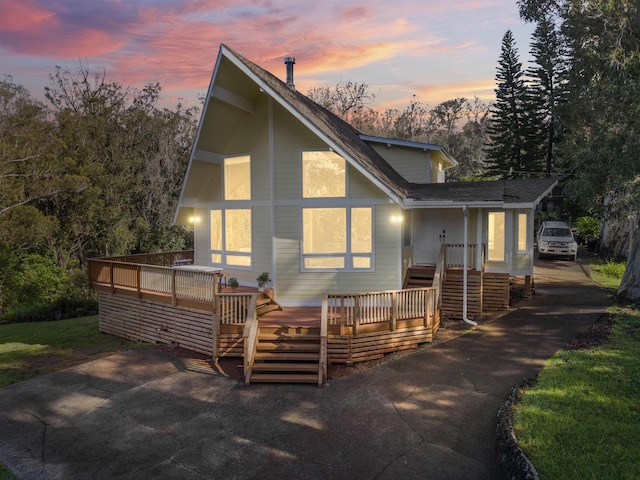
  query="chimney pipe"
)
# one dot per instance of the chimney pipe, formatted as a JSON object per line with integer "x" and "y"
{"x": 289, "y": 62}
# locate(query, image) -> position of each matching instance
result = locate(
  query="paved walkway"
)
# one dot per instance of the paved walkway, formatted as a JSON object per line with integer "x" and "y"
{"x": 432, "y": 414}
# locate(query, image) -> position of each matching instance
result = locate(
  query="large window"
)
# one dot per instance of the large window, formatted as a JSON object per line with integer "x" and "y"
{"x": 496, "y": 237}
{"x": 231, "y": 237}
{"x": 522, "y": 232}
{"x": 337, "y": 238}
{"x": 324, "y": 175}
{"x": 237, "y": 178}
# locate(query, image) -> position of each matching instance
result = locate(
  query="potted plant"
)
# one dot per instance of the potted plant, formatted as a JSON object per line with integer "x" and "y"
{"x": 263, "y": 279}
{"x": 233, "y": 283}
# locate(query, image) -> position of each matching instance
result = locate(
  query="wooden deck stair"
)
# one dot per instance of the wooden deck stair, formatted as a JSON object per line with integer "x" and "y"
{"x": 419, "y": 276}
{"x": 266, "y": 304}
{"x": 287, "y": 355}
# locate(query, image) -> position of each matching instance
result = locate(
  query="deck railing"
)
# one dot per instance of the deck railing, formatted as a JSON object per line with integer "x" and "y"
{"x": 164, "y": 259}
{"x": 455, "y": 255}
{"x": 356, "y": 310}
{"x": 232, "y": 308}
{"x": 123, "y": 274}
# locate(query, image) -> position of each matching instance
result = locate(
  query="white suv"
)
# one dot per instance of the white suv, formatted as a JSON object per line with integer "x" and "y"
{"x": 556, "y": 239}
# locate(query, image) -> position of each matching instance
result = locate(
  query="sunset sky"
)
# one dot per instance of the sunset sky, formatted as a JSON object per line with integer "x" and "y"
{"x": 433, "y": 49}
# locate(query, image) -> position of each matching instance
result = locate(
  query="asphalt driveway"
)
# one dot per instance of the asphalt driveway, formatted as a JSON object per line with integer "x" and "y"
{"x": 432, "y": 414}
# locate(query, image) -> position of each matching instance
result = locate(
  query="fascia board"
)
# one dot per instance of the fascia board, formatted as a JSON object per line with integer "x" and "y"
{"x": 198, "y": 133}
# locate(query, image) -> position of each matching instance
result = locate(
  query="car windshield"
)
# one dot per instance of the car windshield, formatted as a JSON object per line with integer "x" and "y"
{"x": 556, "y": 232}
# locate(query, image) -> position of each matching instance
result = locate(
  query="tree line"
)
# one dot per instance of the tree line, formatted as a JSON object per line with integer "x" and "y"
{"x": 96, "y": 171}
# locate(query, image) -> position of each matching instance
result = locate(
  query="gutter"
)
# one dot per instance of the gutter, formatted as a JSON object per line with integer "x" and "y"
{"x": 465, "y": 267}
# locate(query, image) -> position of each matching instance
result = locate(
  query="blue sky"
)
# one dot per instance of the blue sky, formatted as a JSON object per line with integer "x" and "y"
{"x": 432, "y": 49}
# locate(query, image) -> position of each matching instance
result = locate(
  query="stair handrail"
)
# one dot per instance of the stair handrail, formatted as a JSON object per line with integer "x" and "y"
{"x": 250, "y": 337}
{"x": 324, "y": 327}
{"x": 440, "y": 273}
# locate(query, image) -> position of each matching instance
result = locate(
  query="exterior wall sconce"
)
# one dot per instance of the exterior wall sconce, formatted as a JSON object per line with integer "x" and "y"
{"x": 396, "y": 218}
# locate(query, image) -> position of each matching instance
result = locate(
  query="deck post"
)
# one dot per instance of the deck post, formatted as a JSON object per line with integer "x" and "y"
{"x": 356, "y": 314}
{"x": 173, "y": 287}
{"x": 215, "y": 330}
{"x": 427, "y": 306}
{"x": 113, "y": 288}
{"x": 527, "y": 285}
{"x": 394, "y": 310}
{"x": 139, "y": 280}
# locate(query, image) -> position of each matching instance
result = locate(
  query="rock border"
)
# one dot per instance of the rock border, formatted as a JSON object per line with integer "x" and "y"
{"x": 511, "y": 457}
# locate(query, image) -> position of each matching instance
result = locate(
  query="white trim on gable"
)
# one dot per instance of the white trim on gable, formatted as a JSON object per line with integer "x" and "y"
{"x": 310, "y": 125}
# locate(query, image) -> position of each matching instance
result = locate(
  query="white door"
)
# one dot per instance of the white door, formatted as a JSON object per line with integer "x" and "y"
{"x": 432, "y": 229}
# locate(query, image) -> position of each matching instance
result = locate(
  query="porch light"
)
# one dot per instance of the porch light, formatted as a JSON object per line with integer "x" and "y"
{"x": 194, "y": 219}
{"x": 396, "y": 218}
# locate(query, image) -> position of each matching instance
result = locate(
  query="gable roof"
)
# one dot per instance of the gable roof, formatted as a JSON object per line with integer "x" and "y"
{"x": 354, "y": 147}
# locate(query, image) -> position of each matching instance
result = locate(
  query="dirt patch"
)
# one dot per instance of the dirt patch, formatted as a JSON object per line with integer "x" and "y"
{"x": 595, "y": 335}
{"x": 62, "y": 358}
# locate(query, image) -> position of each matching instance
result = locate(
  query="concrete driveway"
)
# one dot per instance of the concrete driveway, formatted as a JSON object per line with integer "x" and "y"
{"x": 432, "y": 414}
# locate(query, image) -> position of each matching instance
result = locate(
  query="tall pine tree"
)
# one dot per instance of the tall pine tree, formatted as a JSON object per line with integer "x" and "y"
{"x": 547, "y": 90}
{"x": 507, "y": 155}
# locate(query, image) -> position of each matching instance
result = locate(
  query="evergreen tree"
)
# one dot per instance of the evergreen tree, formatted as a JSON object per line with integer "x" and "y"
{"x": 507, "y": 154}
{"x": 546, "y": 90}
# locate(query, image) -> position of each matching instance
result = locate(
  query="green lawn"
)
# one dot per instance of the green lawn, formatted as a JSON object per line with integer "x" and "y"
{"x": 582, "y": 418}
{"x": 31, "y": 349}
{"x": 607, "y": 273}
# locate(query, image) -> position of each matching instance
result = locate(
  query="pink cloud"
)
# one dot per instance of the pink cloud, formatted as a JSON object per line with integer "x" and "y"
{"x": 20, "y": 16}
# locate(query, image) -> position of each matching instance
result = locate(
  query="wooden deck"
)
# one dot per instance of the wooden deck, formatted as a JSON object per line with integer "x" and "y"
{"x": 195, "y": 310}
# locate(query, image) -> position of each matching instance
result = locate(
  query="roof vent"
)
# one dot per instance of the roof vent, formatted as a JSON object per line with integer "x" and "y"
{"x": 290, "y": 62}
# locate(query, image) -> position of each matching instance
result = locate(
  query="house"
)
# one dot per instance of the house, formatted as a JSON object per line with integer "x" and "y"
{"x": 278, "y": 184}
{"x": 366, "y": 244}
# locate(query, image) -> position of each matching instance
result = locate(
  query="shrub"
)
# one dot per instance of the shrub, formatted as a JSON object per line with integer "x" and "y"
{"x": 588, "y": 227}
{"x": 34, "y": 288}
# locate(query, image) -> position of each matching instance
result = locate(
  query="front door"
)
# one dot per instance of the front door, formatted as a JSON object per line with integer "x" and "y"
{"x": 432, "y": 229}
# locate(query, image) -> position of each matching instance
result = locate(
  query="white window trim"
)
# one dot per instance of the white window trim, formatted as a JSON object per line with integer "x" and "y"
{"x": 528, "y": 234}
{"x": 224, "y": 253}
{"x": 348, "y": 255}
{"x": 505, "y": 238}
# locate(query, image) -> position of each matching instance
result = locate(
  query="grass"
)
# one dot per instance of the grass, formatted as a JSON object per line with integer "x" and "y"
{"x": 6, "y": 474}
{"x": 607, "y": 273}
{"x": 582, "y": 418}
{"x": 31, "y": 349}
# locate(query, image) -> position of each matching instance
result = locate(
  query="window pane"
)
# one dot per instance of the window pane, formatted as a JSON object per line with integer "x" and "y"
{"x": 361, "y": 230}
{"x": 216, "y": 258}
{"x": 216, "y": 230}
{"x": 324, "y": 262}
{"x": 238, "y": 230}
{"x": 496, "y": 236}
{"x": 522, "y": 232}
{"x": 237, "y": 178}
{"x": 361, "y": 262}
{"x": 240, "y": 260}
{"x": 323, "y": 175}
{"x": 324, "y": 230}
